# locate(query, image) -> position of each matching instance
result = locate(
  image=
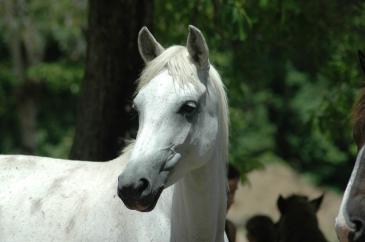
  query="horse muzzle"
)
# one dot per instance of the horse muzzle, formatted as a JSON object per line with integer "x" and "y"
{"x": 346, "y": 233}
{"x": 343, "y": 231}
{"x": 350, "y": 222}
{"x": 138, "y": 195}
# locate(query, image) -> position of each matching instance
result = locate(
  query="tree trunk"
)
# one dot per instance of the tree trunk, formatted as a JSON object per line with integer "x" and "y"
{"x": 112, "y": 66}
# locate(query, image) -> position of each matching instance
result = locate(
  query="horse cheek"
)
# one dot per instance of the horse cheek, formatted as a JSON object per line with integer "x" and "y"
{"x": 209, "y": 133}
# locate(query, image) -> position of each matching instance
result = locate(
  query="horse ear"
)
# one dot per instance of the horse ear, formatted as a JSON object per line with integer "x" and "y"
{"x": 198, "y": 48}
{"x": 361, "y": 60}
{"x": 281, "y": 203}
{"x": 148, "y": 46}
{"x": 316, "y": 203}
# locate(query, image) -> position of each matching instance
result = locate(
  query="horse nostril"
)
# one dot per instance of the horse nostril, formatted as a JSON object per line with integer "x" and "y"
{"x": 142, "y": 185}
{"x": 358, "y": 234}
{"x": 132, "y": 190}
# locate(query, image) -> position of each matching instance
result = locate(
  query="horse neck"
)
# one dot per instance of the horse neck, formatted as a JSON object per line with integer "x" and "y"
{"x": 199, "y": 204}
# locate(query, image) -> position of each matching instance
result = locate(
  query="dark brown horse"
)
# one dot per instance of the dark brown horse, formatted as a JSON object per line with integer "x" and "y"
{"x": 298, "y": 221}
{"x": 261, "y": 228}
{"x": 350, "y": 221}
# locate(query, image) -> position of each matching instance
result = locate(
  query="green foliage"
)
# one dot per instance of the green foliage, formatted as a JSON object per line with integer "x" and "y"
{"x": 54, "y": 31}
{"x": 58, "y": 76}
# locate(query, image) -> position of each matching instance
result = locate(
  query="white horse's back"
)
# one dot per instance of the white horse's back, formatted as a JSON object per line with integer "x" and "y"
{"x": 43, "y": 199}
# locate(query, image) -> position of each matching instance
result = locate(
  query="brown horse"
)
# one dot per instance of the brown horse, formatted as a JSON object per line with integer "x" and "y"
{"x": 261, "y": 228}
{"x": 298, "y": 221}
{"x": 350, "y": 221}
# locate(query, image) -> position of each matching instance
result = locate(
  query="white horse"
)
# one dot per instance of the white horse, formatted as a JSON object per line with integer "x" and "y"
{"x": 176, "y": 168}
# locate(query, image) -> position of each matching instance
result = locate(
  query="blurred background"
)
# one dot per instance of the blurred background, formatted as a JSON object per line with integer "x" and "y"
{"x": 68, "y": 70}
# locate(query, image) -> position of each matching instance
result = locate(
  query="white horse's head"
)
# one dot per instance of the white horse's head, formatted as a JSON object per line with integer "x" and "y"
{"x": 182, "y": 108}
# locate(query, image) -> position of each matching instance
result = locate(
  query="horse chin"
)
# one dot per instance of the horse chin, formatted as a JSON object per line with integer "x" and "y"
{"x": 145, "y": 204}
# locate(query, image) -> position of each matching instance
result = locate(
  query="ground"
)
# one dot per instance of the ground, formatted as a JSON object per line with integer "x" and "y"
{"x": 260, "y": 194}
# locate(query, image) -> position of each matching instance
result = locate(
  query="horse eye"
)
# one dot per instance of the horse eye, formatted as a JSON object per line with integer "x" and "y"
{"x": 188, "y": 108}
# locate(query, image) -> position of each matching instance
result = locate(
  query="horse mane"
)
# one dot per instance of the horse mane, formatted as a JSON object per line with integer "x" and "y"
{"x": 358, "y": 119}
{"x": 358, "y": 113}
{"x": 177, "y": 61}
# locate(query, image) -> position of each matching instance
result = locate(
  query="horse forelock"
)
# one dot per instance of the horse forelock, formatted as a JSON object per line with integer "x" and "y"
{"x": 176, "y": 61}
{"x": 358, "y": 119}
